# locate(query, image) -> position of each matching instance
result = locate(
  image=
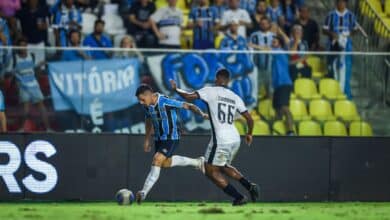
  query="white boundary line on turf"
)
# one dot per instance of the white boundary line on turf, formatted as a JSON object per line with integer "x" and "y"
{"x": 161, "y": 50}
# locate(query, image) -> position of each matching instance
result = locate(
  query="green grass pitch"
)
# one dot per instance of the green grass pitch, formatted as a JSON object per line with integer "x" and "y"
{"x": 194, "y": 211}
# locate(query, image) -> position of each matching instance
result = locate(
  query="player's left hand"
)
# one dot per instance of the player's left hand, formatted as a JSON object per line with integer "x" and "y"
{"x": 205, "y": 116}
{"x": 248, "y": 139}
{"x": 173, "y": 84}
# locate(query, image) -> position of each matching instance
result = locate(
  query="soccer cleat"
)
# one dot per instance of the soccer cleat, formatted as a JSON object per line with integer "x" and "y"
{"x": 201, "y": 165}
{"x": 254, "y": 192}
{"x": 240, "y": 202}
{"x": 140, "y": 196}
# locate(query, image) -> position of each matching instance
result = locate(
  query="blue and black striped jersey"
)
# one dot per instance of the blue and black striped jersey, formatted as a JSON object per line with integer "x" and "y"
{"x": 164, "y": 117}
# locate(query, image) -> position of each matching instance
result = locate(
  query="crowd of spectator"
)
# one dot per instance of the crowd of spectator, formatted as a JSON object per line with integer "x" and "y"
{"x": 224, "y": 24}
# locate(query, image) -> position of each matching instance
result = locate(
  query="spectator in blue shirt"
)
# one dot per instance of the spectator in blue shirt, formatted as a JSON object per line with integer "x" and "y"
{"x": 282, "y": 84}
{"x": 290, "y": 13}
{"x": 248, "y": 5}
{"x": 232, "y": 40}
{"x": 29, "y": 90}
{"x": 67, "y": 17}
{"x": 339, "y": 25}
{"x": 5, "y": 40}
{"x": 98, "y": 39}
{"x": 220, "y": 6}
{"x": 275, "y": 12}
{"x": 3, "y": 118}
{"x": 204, "y": 21}
{"x": 75, "y": 41}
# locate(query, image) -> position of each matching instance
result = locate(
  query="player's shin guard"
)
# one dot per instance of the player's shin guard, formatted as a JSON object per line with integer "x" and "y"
{"x": 184, "y": 161}
{"x": 231, "y": 191}
{"x": 151, "y": 179}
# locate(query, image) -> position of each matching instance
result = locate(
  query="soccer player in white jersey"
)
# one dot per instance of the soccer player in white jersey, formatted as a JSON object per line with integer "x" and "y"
{"x": 222, "y": 106}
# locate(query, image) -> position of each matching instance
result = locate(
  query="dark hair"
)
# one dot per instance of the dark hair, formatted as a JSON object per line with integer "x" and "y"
{"x": 73, "y": 31}
{"x": 224, "y": 73}
{"x": 280, "y": 39}
{"x": 21, "y": 39}
{"x": 292, "y": 6}
{"x": 142, "y": 89}
{"x": 99, "y": 21}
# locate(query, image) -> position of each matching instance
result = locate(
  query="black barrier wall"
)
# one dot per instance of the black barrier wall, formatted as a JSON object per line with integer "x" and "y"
{"x": 94, "y": 167}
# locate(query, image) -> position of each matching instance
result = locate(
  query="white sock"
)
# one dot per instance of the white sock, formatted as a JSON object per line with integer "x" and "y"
{"x": 184, "y": 161}
{"x": 152, "y": 178}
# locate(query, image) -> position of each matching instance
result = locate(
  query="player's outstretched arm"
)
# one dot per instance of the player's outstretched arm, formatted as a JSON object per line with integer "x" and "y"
{"x": 189, "y": 96}
{"x": 249, "y": 121}
{"x": 195, "y": 109}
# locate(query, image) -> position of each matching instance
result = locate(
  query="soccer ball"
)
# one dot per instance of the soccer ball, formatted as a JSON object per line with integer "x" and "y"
{"x": 124, "y": 197}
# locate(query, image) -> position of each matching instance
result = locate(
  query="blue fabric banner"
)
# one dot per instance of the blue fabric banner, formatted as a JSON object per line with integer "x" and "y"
{"x": 94, "y": 86}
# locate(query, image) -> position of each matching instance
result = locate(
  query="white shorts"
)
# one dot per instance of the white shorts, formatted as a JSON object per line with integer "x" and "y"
{"x": 222, "y": 154}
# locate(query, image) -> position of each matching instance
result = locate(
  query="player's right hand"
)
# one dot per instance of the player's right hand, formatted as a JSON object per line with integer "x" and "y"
{"x": 248, "y": 139}
{"x": 173, "y": 84}
{"x": 147, "y": 147}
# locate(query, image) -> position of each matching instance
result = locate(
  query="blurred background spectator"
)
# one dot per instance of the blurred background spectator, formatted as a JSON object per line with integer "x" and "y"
{"x": 260, "y": 12}
{"x": 66, "y": 17}
{"x": 205, "y": 22}
{"x": 259, "y": 40}
{"x": 339, "y": 25}
{"x": 34, "y": 21}
{"x": 75, "y": 41}
{"x": 233, "y": 40}
{"x": 275, "y": 12}
{"x": 237, "y": 14}
{"x": 139, "y": 25}
{"x": 3, "y": 118}
{"x": 98, "y": 39}
{"x": 166, "y": 24}
{"x": 24, "y": 68}
{"x": 5, "y": 40}
{"x": 311, "y": 32}
{"x": 290, "y": 14}
{"x": 298, "y": 65}
{"x": 128, "y": 42}
{"x": 220, "y": 6}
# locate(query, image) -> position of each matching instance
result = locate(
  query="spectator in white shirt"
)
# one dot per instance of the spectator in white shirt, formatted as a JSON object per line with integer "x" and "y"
{"x": 236, "y": 13}
{"x": 166, "y": 24}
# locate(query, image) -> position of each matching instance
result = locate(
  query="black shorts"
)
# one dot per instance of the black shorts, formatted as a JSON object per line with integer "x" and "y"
{"x": 282, "y": 96}
{"x": 166, "y": 147}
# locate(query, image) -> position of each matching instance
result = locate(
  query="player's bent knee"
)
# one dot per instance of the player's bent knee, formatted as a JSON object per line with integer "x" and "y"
{"x": 158, "y": 160}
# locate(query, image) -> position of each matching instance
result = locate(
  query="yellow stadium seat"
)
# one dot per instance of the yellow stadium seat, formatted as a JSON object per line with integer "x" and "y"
{"x": 360, "y": 128}
{"x": 298, "y": 110}
{"x": 161, "y": 3}
{"x": 240, "y": 127}
{"x": 265, "y": 109}
{"x": 346, "y": 110}
{"x": 218, "y": 40}
{"x": 305, "y": 88}
{"x": 309, "y": 128}
{"x": 387, "y": 7}
{"x": 182, "y": 5}
{"x": 330, "y": 89}
{"x": 321, "y": 110}
{"x": 261, "y": 128}
{"x": 334, "y": 128}
{"x": 279, "y": 128}
{"x": 317, "y": 65}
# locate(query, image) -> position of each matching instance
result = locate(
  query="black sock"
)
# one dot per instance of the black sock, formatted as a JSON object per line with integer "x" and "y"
{"x": 231, "y": 191}
{"x": 245, "y": 183}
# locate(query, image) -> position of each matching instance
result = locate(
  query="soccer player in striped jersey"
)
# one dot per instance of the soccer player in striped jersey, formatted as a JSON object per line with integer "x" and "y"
{"x": 162, "y": 117}
{"x": 223, "y": 104}
{"x": 204, "y": 21}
